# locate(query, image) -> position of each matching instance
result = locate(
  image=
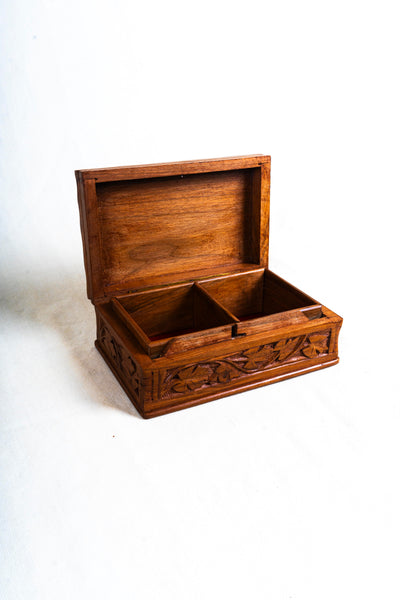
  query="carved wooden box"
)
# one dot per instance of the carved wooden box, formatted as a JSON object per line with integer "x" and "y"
{"x": 176, "y": 259}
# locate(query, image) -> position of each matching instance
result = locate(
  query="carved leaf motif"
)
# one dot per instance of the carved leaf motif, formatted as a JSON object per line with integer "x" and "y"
{"x": 191, "y": 378}
{"x": 110, "y": 344}
{"x": 242, "y": 364}
{"x": 129, "y": 367}
{"x": 121, "y": 359}
{"x": 222, "y": 374}
{"x": 317, "y": 345}
{"x": 257, "y": 356}
{"x": 285, "y": 348}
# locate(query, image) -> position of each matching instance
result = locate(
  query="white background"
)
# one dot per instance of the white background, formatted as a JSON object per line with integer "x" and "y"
{"x": 287, "y": 492}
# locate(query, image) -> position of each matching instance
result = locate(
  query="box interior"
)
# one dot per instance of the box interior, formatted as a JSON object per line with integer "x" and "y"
{"x": 238, "y": 301}
{"x": 174, "y": 311}
{"x": 254, "y": 295}
{"x": 165, "y": 230}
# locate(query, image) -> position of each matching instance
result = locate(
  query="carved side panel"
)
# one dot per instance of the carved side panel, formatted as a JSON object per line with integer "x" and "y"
{"x": 121, "y": 360}
{"x": 197, "y": 377}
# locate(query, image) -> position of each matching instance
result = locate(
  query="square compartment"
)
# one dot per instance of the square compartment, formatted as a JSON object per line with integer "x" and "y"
{"x": 261, "y": 300}
{"x": 173, "y": 319}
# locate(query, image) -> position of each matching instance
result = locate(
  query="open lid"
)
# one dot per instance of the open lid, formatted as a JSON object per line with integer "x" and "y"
{"x": 150, "y": 225}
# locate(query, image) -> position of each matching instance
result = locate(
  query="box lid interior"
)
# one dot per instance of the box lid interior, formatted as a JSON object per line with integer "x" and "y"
{"x": 151, "y": 225}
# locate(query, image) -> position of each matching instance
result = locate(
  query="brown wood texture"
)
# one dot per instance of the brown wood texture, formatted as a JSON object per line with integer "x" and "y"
{"x": 175, "y": 168}
{"x": 166, "y": 384}
{"x": 145, "y": 231}
{"x": 212, "y": 310}
{"x": 261, "y": 300}
{"x": 184, "y": 311}
{"x": 176, "y": 259}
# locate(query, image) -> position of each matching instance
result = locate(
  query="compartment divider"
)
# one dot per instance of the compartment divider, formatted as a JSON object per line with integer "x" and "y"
{"x": 129, "y": 322}
{"x": 220, "y": 308}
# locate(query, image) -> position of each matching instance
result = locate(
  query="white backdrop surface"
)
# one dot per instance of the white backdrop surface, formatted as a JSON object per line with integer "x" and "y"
{"x": 287, "y": 492}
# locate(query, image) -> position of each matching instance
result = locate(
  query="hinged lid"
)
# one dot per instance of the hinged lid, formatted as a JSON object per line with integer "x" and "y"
{"x": 159, "y": 224}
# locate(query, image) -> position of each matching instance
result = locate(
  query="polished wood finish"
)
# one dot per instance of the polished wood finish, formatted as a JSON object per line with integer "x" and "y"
{"x": 176, "y": 258}
{"x": 179, "y": 224}
{"x": 261, "y": 299}
{"x": 174, "y": 168}
{"x": 184, "y": 312}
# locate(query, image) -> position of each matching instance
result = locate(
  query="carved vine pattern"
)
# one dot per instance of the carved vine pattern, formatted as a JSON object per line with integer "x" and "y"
{"x": 121, "y": 359}
{"x": 192, "y": 378}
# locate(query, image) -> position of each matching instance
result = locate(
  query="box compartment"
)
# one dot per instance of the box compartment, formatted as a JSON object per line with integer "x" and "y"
{"x": 261, "y": 300}
{"x": 171, "y": 320}
{"x": 175, "y": 319}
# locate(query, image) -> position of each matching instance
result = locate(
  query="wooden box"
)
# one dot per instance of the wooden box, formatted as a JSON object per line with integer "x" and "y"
{"x": 176, "y": 259}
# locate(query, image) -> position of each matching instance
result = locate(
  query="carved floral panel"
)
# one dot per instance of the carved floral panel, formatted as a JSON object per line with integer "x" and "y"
{"x": 193, "y": 378}
{"x": 121, "y": 359}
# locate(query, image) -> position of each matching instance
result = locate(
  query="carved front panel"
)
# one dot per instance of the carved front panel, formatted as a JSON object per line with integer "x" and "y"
{"x": 122, "y": 361}
{"x": 197, "y": 377}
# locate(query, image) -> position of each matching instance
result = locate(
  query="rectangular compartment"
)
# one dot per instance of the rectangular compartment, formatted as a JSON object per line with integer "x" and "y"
{"x": 170, "y": 320}
{"x": 261, "y": 300}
